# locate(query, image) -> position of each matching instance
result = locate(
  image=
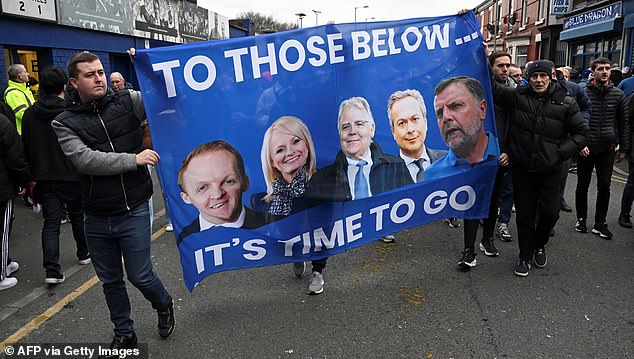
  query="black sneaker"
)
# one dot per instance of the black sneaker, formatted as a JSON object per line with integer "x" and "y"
{"x": 522, "y": 267}
{"x": 564, "y": 206}
{"x": 602, "y": 230}
{"x": 118, "y": 344}
{"x": 487, "y": 246}
{"x": 468, "y": 260}
{"x": 54, "y": 277}
{"x": 624, "y": 220}
{"x": 540, "y": 258}
{"x": 166, "y": 322}
{"x": 580, "y": 226}
{"x": 452, "y": 222}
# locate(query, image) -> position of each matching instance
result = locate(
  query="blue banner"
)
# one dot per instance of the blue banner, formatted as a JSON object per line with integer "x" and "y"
{"x": 302, "y": 144}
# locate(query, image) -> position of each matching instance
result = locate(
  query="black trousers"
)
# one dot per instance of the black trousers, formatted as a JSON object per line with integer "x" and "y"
{"x": 6, "y": 216}
{"x": 54, "y": 197}
{"x": 603, "y": 162}
{"x": 471, "y": 225}
{"x": 537, "y": 205}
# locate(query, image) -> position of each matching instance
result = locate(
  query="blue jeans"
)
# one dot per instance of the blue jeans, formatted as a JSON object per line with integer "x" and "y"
{"x": 628, "y": 191}
{"x": 506, "y": 198}
{"x": 128, "y": 235}
{"x": 53, "y": 195}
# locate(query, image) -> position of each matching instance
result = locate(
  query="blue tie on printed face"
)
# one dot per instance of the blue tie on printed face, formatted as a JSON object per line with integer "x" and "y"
{"x": 360, "y": 183}
{"x": 419, "y": 163}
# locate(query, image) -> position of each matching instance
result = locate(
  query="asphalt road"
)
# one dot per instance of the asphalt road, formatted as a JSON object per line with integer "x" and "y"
{"x": 401, "y": 300}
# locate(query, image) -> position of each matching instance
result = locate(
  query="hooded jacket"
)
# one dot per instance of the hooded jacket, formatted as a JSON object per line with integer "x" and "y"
{"x": 42, "y": 151}
{"x": 544, "y": 130}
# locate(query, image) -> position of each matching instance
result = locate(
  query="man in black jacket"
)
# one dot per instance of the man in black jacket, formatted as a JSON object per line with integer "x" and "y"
{"x": 14, "y": 175}
{"x": 57, "y": 179}
{"x": 608, "y": 117}
{"x": 102, "y": 137}
{"x": 545, "y": 129}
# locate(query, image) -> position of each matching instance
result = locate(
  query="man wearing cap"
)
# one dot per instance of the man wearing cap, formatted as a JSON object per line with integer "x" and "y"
{"x": 546, "y": 128}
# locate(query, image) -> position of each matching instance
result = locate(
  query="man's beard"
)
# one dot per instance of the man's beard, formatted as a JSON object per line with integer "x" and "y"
{"x": 463, "y": 147}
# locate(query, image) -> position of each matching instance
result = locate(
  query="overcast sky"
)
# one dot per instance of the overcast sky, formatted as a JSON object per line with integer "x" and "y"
{"x": 340, "y": 11}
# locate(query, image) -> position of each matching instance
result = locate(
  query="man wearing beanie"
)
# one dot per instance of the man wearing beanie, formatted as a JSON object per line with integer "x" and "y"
{"x": 546, "y": 129}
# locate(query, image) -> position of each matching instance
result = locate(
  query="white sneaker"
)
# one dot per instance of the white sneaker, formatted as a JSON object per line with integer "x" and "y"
{"x": 169, "y": 228}
{"x": 8, "y": 282}
{"x": 12, "y": 268}
{"x": 316, "y": 285}
{"x": 389, "y": 239}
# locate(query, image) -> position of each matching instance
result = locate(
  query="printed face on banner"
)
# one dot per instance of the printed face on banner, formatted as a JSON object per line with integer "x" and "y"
{"x": 409, "y": 126}
{"x": 356, "y": 129}
{"x": 289, "y": 153}
{"x": 460, "y": 116}
{"x": 212, "y": 183}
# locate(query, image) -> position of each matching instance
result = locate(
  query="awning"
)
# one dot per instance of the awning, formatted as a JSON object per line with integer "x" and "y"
{"x": 590, "y": 29}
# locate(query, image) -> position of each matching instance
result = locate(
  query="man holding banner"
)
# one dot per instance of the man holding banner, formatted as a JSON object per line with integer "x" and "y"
{"x": 461, "y": 112}
{"x": 546, "y": 129}
{"x": 102, "y": 137}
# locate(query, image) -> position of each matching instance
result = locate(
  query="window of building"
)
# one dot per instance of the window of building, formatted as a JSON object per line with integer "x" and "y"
{"x": 583, "y": 52}
{"x": 524, "y": 13}
{"x": 542, "y": 11}
{"x": 521, "y": 54}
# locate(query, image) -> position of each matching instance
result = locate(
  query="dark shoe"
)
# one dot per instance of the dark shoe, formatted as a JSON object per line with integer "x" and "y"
{"x": 166, "y": 321}
{"x": 487, "y": 246}
{"x": 580, "y": 226}
{"x": 468, "y": 260}
{"x": 602, "y": 230}
{"x": 54, "y": 277}
{"x": 452, "y": 222}
{"x": 540, "y": 258}
{"x": 502, "y": 232}
{"x": 299, "y": 268}
{"x": 564, "y": 206}
{"x": 85, "y": 260}
{"x": 119, "y": 344}
{"x": 624, "y": 220}
{"x": 522, "y": 267}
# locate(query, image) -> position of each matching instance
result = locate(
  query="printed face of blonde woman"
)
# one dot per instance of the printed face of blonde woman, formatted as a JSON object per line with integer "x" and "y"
{"x": 289, "y": 153}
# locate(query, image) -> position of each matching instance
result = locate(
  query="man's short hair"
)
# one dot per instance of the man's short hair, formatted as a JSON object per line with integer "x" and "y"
{"x": 399, "y": 95}
{"x": 600, "y": 61}
{"x": 358, "y": 102}
{"x": 212, "y": 146}
{"x": 52, "y": 80}
{"x": 497, "y": 54}
{"x": 516, "y": 66}
{"x": 14, "y": 70}
{"x": 474, "y": 86}
{"x": 77, "y": 58}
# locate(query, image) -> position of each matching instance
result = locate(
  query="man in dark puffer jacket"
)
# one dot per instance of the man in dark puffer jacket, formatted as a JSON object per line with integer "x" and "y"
{"x": 609, "y": 110}
{"x": 546, "y": 128}
{"x": 101, "y": 135}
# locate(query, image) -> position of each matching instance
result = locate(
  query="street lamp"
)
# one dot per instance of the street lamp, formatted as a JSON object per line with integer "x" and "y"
{"x": 300, "y": 15}
{"x": 355, "y": 10}
{"x": 317, "y": 12}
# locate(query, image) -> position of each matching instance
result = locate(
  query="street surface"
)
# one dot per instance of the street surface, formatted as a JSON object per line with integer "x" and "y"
{"x": 401, "y": 300}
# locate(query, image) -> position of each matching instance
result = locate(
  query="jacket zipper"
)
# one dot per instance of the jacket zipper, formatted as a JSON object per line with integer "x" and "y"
{"x": 125, "y": 196}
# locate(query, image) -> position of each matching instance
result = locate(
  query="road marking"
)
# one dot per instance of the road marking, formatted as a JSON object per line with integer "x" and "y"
{"x": 50, "y": 312}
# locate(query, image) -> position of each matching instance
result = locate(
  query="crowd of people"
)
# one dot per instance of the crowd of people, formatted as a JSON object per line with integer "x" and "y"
{"x": 83, "y": 145}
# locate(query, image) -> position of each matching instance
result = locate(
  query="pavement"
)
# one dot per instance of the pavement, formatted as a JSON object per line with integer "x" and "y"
{"x": 401, "y": 300}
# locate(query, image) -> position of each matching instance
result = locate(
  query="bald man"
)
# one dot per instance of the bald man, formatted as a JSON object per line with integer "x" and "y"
{"x": 117, "y": 82}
